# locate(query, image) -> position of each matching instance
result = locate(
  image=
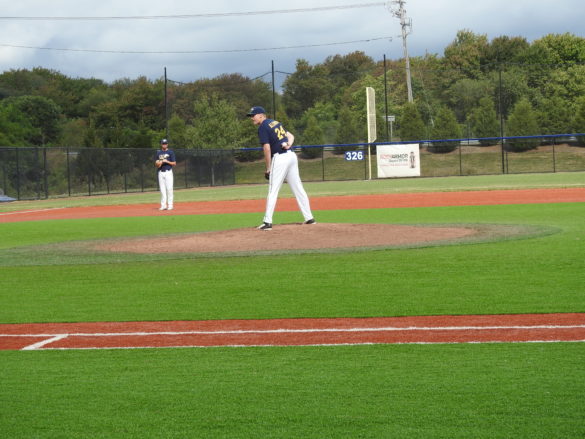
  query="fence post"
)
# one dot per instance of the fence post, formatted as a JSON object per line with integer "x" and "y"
{"x": 45, "y": 173}
{"x": 501, "y": 117}
{"x": 554, "y": 155}
{"x": 68, "y": 172}
{"x": 322, "y": 163}
{"x": 107, "y": 174}
{"x": 142, "y": 177}
{"x": 17, "y": 175}
{"x": 37, "y": 169}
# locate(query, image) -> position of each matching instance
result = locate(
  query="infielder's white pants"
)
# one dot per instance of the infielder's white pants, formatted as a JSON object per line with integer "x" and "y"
{"x": 286, "y": 167}
{"x": 165, "y": 183}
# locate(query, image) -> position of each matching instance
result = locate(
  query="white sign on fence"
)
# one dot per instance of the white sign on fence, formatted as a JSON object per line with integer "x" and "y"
{"x": 398, "y": 160}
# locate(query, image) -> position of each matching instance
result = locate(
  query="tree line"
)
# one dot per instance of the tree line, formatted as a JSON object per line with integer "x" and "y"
{"x": 476, "y": 89}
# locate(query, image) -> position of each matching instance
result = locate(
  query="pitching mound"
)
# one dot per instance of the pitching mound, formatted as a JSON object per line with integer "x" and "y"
{"x": 295, "y": 237}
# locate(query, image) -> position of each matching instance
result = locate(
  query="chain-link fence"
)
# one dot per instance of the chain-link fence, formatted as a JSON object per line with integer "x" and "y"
{"x": 39, "y": 173}
{"x": 36, "y": 173}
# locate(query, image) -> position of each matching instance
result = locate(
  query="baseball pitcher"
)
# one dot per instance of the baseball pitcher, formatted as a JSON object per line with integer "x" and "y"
{"x": 281, "y": 164}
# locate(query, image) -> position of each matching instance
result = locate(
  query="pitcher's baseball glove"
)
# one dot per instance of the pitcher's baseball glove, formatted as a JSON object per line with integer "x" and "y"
{"x": 267, "y": 175}
{"x": 158, "y": 163}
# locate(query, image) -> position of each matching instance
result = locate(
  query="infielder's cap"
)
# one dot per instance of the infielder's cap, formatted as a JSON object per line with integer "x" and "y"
{"x": 164, "y": 142}
{"x": 256, "y": 110}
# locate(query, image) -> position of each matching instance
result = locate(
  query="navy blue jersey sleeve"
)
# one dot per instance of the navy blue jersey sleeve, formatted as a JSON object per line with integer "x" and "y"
{"x": 264, "y": 134}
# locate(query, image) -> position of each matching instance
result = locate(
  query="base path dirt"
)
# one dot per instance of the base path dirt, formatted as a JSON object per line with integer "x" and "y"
{"x": 518, "y": 328}
{"x": 380, "y": 201}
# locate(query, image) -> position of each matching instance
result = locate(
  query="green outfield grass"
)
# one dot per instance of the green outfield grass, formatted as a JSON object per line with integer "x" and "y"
{"x": 430, "y": 391}
{"x": 411, "y": 391}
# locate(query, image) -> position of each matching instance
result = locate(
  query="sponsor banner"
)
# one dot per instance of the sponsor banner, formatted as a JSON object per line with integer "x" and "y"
{"x": 398, "y": 160}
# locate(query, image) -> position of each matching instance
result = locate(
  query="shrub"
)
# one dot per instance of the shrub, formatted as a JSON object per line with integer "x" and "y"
{"x": 446, "y": 127}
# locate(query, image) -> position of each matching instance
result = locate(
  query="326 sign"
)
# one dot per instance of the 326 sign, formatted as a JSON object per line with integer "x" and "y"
{"x": 354, "y": 155}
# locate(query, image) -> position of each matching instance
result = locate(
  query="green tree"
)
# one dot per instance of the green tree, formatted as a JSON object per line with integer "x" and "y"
{"x": 555, "y": 116}
{"x": 522, "y": 122}
{"x": 74, "y": 131}
{"x": 216, "y": 125}
{"x": 344, "y": 70}
{"x": 347, "y": 132}
{"x": 305, "y": 87}
{"x": 566, "y": 82}
{"x": 240, "y": 91}
{"x": 465, "y": 93}
{"x": 15, "y": 128}
{"x": 325, "y": 115}
{"x": 579, "y": 120}
{"x": 504, "y": 49}
{"x": 178, "y": 131}
{"x": 358, "y": 104}
{"x": 142, "y": 103}
{"x": 410, "y": 124}
{"x": 484, "y": 121}
{"x": 547, "y": 54}
{"x": 562, "y": 48}
{"x": 465, "y": 54}
{"x": 313, "y": 135}
{"x": 43, "y": 114}
{"x": 509, "y": 87}
{"x": 446, "y": 127}
{"x": 91, "y": 139}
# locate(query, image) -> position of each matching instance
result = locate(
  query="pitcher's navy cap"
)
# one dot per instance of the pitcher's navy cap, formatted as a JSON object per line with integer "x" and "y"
{"x": 256, "y": 110}
{"x": 164, "y": 141}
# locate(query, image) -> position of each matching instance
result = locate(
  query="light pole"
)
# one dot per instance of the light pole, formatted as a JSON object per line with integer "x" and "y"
{"x": 406, "y": 25}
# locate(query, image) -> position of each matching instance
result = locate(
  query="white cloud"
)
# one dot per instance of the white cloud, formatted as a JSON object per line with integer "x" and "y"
{"x": 435, "y": 24}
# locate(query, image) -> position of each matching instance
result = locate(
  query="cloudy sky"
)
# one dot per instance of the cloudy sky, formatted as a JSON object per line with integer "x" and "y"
{"x": 229, "y": 36}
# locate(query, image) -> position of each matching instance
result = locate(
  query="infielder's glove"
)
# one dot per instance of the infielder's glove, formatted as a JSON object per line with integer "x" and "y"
{"x": 267, "y": 175}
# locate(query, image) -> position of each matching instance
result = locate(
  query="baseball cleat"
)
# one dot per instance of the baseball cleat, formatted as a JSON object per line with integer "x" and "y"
{"x": 163, "y": 208}
{"x": 265, "y": 226}
{"x": 170, "y": 208}
{"x": 311, "y": 221}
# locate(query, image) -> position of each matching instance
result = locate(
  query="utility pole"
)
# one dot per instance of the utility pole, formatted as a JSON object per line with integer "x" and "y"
{"x": 406, "y": 25}
{"x": 166, "y": 107}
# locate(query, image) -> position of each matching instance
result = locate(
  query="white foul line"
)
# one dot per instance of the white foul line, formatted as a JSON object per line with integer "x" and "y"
{"x": 56, "y": 337}
{"x": 366, "y": 343}
{"x": 19, "y": 212}
{"x": 40, "y": 344}
{"x": 301, "y": 331}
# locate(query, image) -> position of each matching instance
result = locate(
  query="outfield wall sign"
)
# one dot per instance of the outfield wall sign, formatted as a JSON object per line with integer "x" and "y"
{"x": 352, "y": 156}
{"x": 398, "y": 160}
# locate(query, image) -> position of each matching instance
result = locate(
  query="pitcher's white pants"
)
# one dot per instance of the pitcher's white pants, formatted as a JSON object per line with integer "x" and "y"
{"x": 165, "y": 183}
{"x": 286, "y": 167}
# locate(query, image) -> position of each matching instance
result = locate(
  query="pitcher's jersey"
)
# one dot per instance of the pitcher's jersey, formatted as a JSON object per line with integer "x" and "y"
{"x": 272, "y": 132}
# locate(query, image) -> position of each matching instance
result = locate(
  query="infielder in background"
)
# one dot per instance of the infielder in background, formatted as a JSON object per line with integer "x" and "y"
{"x": 164, "y": 161}
{"x": 281, "y": 164}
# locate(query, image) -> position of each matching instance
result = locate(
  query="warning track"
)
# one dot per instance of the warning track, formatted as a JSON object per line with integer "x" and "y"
{"x": 517, "y": 328}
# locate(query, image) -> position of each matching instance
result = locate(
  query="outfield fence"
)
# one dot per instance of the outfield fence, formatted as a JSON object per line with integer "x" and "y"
{"x": 40, "y": 173}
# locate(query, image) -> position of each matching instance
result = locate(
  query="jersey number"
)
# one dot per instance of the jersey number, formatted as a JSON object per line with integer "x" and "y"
{"x": 280, "y": 132}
